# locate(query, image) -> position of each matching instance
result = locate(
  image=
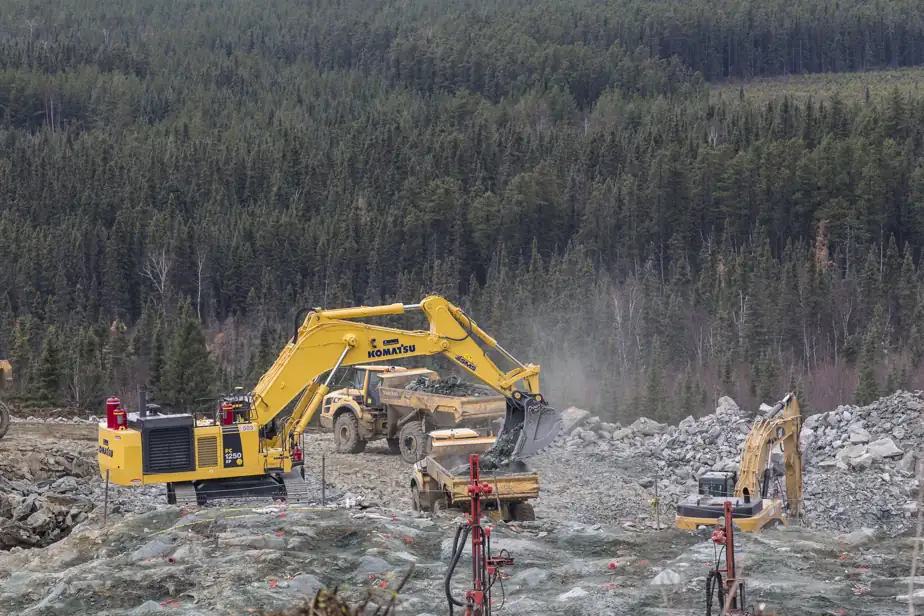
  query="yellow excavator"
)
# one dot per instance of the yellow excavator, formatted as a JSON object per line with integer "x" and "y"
{"x": 753, "y": 507}
{"x": 249, "y": 445}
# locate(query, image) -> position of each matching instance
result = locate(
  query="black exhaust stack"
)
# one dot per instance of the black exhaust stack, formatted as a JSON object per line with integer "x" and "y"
{"x": 142, "y": 401}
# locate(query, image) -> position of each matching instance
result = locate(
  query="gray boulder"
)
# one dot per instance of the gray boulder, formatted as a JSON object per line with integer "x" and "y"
{"x": 647, "y": 427}
{"x": 884, "y": 448}
{"x": 572, "y": 418}
{"x": 862, "y": 463}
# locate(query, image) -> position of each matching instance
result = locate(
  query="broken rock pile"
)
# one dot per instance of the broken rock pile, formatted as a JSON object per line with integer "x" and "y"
{"x": 46, "y": 493}
{"x": 859, "y": 461}
{"x": 683, "y": 452}
{"x": 859, "y": 438}
{"x": 38, "y": 500}
{"x": 862, "y": 462}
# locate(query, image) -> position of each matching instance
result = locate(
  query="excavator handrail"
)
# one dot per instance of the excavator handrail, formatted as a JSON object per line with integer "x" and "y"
{"x": 330, "y": 338}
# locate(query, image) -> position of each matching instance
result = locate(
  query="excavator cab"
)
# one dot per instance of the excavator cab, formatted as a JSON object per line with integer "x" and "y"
{"x": 718, "y": 483}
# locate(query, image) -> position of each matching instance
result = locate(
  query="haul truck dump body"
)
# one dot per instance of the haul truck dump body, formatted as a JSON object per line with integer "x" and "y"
{"x": 441, "y": 479}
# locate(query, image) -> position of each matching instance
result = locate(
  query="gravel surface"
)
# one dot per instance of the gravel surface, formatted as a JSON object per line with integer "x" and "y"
{"x": 592, "y": 549}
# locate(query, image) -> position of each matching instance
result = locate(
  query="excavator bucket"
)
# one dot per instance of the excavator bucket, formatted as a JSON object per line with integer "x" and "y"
{"x": 529, "y": 427}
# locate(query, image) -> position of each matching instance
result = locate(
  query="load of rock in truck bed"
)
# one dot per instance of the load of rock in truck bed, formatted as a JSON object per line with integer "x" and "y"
{"x": 450, "y": 386}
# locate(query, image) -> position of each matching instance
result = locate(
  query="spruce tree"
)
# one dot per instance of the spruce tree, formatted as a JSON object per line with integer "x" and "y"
{"x": 867, "y": 390}
{"x": 21, "y": 355}
{"x": 155, "y": 370}
{"x": 86, "y": 385}
{"x": 262, "y": 359}
{"x": 687, "y": 395}
{"x": 766, "y": 388}
{"x": 891, "y": 380}
{"x": 655, "y": 398}
{"x": 117, "y": 357}
{"x": 188, "y": 373}
{"x": 49, "y": 368}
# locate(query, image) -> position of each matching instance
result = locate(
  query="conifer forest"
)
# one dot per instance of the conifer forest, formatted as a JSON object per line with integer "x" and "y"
{"x": 591, "y": 181}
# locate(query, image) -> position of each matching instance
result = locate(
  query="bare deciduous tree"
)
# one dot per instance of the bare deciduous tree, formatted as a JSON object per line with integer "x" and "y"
{"x": 157, "y": 268}
{"x": 200, "y": 265}
{"x": 31, "y": 23}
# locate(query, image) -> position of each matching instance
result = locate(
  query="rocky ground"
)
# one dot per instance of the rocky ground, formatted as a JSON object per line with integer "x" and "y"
{"x": 858, "y": 462}
{"x": 593, "y": 549}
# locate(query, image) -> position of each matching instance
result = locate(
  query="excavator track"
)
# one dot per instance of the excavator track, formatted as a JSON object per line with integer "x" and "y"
{"x": 296, "y": 487}
{"x": 185, "y": 494}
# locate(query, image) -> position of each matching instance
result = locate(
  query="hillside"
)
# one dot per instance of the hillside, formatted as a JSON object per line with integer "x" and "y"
{"x": 177, "y": 177}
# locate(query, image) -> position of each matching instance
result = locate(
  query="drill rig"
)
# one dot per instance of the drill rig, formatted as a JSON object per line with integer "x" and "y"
{"x": 752, "y": 505}
{"x": 250, "y": 447}
{"x": 486, "y": 569}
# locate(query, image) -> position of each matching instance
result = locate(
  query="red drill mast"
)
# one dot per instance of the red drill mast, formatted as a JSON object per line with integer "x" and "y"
{"x": 725, "y": 537}
{"x": 485, "y": 568}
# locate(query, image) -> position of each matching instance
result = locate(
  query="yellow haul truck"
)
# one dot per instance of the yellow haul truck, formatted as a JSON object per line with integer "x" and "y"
{"x": 377, "y": 404}
{"x": 249, "y": 445}
{"x": 440, "y": 481}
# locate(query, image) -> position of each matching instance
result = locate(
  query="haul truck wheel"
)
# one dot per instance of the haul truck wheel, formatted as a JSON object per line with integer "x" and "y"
{"x": 394, "y": 445}
{"x": 4, "y": 419}
{"x": 346, "y": 434}
{"x": 415, "y": 498}
{"x": 411, "y": 440}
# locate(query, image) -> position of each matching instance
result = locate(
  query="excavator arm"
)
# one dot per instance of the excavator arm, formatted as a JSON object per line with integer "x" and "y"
{"x": 781, "y": 425}
{"x": 328, "y": 340}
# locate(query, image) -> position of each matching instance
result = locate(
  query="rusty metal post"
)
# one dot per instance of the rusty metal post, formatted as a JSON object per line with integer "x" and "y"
{"x": 106, "y": 499}
{"x": 657, "y": 505}
{"x": 323, "y": 480}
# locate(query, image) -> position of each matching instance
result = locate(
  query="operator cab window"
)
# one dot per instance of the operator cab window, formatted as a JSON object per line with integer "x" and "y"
{"x": 359, "y": 377}
{"x": 373, "y": 397}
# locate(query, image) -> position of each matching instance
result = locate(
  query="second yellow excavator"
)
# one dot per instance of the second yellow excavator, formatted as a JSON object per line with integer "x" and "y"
{"x": 752, "y": 505}
{"x": 250, "y": 445}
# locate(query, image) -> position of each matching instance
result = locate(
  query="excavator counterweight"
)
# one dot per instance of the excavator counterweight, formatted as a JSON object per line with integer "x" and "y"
{"x": 250, "y": 443}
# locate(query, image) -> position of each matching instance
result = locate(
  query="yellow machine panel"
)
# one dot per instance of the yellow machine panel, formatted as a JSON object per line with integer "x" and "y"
{"x": 214, "y": 452}
{"x": 771, "y": 510}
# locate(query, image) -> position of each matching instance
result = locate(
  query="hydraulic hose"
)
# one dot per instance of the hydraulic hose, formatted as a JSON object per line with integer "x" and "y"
{"x": 716, "y": 577}
{"x": 457, "y": 549}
